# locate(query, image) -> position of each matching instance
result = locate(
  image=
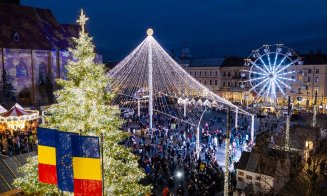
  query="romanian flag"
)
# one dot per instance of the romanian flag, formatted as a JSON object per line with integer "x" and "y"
{"x": 47, "y": 155}
{"x": 86, "y": 165}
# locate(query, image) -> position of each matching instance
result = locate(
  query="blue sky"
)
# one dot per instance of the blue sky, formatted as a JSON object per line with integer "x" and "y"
{"x": 212, "y": 28}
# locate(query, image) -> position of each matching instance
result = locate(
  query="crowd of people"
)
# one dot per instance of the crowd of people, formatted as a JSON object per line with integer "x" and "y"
{"x": 15, "y": 142}
{"x": 169, "y": 157}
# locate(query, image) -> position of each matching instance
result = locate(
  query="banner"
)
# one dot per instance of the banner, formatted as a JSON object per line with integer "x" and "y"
{"x": 64, "y": 161}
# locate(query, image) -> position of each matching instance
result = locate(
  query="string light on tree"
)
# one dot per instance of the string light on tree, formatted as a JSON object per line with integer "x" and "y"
{"x": 82, "y": 104}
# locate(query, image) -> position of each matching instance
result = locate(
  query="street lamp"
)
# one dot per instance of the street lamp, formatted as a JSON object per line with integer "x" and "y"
{"x": 179, "y": 174}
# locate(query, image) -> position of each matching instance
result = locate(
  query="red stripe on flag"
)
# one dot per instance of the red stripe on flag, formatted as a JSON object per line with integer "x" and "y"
{"x": 47, "y": 173}
{"x": 87, "y": 187}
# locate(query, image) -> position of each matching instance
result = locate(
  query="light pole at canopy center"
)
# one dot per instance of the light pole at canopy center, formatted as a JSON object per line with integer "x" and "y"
{"x": 150, "y": 80}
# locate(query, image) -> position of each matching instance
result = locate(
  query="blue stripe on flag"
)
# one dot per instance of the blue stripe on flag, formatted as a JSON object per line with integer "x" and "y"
{"x": 86, "y": 146}
{"x": 46, "y": 137}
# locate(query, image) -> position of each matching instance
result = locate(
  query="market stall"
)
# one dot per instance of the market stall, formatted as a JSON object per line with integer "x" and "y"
{"x": 17, "y": 117}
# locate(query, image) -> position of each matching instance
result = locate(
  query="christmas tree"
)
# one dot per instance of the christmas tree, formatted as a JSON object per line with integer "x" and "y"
{"x": 8, "y": 93}
{"x": 83, "y": 106}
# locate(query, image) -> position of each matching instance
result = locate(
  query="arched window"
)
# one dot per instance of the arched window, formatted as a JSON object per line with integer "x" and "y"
{"x": 21, "y": 70}
{"x": 42, "y": 73}
{"x": 16, "y": 37}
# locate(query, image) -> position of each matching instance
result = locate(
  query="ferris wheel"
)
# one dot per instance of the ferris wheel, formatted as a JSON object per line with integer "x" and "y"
{"x": 271, "y": 71}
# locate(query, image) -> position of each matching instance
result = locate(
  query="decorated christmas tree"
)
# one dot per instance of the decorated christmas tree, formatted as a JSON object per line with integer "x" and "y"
{"x": 83, "y": 106}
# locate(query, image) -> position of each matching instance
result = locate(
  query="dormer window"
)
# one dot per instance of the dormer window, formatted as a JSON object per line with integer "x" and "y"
{"x": 16, "y": 37}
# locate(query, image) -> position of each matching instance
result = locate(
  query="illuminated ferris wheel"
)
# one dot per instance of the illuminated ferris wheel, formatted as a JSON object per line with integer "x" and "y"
{"x": 271, "y": 71}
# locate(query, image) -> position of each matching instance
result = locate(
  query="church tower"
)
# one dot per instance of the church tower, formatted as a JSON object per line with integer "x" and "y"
{"x": 185, "y": 55}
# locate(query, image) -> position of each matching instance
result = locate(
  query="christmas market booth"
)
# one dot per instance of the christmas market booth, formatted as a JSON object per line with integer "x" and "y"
{"x": 18, "y": 117}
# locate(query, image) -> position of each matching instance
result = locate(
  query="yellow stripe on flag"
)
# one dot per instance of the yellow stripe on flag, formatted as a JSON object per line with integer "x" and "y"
{"x": 86, "y": 168}
{"x": 47, "y": 155}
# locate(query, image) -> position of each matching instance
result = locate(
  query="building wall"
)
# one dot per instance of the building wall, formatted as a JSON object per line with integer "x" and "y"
{"x": 205, "y": 75}
{"x": 261, "y": 183}
{"x": 230, "y": 84}
{"x": 29, "y": 68}
{"x": 228, "y": 81}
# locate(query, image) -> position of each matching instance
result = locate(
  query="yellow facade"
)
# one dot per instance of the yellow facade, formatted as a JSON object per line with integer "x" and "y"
{"x": 225, "y": 81}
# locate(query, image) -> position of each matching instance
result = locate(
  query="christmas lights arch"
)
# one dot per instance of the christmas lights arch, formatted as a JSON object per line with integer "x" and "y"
{"x": 150, "y": 78}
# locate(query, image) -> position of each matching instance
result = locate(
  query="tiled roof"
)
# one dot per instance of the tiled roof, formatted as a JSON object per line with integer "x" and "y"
{"x": 263, "y": 162}
{"x": 299, "y": 135}
{"x": 233, "y": 62}
{"x": 314, "y": 59}
{"x": 211, "y": 62}
{"x": 37, "y": 28}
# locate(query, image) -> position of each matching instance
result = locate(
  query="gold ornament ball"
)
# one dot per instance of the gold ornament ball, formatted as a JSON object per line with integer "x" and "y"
{"x": 149, "y": 32}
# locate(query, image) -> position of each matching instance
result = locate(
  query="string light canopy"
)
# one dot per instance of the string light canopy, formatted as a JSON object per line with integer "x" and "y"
{"x": 150, "y": 76}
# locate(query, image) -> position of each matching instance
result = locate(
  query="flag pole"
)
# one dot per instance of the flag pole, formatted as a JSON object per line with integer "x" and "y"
{"x": 102, "y": 166}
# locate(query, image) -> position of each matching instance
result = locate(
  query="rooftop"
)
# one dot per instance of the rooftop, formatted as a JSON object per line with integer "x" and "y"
{"x": 24, "y": 27}
{"x": 210, "y": 62}
{"x": 263, "y": 162}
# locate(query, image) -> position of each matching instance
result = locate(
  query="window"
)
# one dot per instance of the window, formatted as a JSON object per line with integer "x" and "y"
{"x": 42, "y": 73}
{"x": 216, "y": 82}
{"x": 224, "y": 84}
{"x": 241, "y": 173}
{"x": 257, "y": 184}
{"x": 317, "y": 79}
{"x": 224, "y": 74}
{"x": 210, "y": 82}
{"x": 309, "y": 70}
{"x": 248, "y": 177}
{"x": 205, "y": 82}
{"x": 299, "y": 90}
{"x": 293, "y": 77}
{"x": 21, "y": 70}
{"x": 195, "y": 73}
{"x": 228, "y": 74}
{"x": 210, "y": 73}
{"x": 205, "y": 73}
{"x": 309, "y": 79}
{"x": 317, "y": 70}
{"x": 228, "y": 84}
{"x": 190, "y": 73}
{"x": 200, "y": 73}
{"x": 216, "y": 74}
{"x": 200, "y": 81}
{"x": 240, "y": 179}
{"x": 258, "y": 177}
{"x": 235, "y": 84}
{"x": 16, "y": 37}
{"x": 285, "y": 70}
{"x": 236, "y": 74}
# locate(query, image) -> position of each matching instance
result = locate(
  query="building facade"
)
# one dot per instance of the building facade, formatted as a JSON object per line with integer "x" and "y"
{"x": 311, "y": 77}
{"x": 263, "y": 172}
{"x": 33, "y": 50}
{"x": 206, "y": 71}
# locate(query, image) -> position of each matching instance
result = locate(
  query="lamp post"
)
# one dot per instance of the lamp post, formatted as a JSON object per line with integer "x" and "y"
{"x": 227, "y": 141}
{"x": 288, "y": 122}
{"x": 197, "y": 143}
{"x": 236, "y": 118}
{"x": 314, "y": 118}
{"x": 150, "y": 81}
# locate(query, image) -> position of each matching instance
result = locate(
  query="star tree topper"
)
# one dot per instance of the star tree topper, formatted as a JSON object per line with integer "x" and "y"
{"x": 82, "y": 20}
